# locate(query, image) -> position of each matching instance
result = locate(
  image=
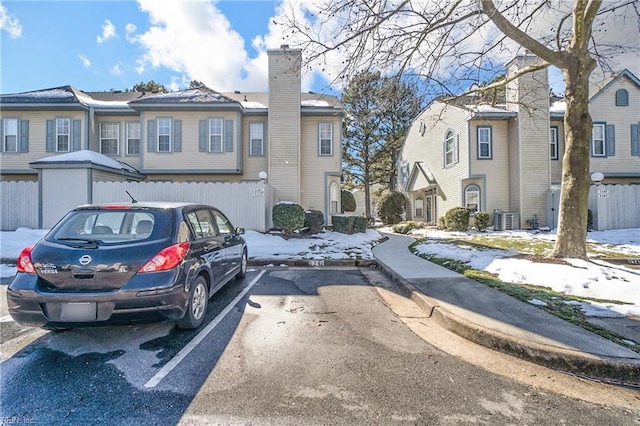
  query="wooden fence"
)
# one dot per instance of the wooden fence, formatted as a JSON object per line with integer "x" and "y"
{"x": 247, "y": 204}
{"x": 615, "y": 206}
{"x": 19, "y": 205}
{"x": 612, "y": 206}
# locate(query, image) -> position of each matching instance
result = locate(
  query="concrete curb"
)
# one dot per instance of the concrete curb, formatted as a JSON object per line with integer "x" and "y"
{"x": 624, "y": 371}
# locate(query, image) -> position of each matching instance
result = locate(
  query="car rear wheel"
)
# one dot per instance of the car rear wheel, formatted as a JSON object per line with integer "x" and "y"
{"x": 243, "y": 266}
{"x": 197, "y": 307}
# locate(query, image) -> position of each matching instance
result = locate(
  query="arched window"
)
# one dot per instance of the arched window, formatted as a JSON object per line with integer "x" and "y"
{"x": 472, "y": 198}
{"x": 622, "y": 97}
{"x": 418, "y": 207}
{"x": 335, "y": 193}
{"x": 449, "y": 149}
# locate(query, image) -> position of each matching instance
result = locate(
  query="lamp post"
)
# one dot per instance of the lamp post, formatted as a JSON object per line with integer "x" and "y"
{"x": 596, "y": 178}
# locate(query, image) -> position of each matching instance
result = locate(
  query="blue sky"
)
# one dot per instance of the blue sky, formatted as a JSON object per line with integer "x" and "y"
{"x": 103, "y": 45}
{"x": 96, "y": 45}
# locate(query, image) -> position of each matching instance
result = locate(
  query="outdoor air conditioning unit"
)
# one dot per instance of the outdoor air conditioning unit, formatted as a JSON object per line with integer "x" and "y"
{"x": 505, "y": 221}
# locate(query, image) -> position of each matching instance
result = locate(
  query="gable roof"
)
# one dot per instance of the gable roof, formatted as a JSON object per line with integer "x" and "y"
{"x": 85, "y": 158}
{"x": 598, "y": 88}
{"x": 54, "y": 95}
{"x": 421, "y": 177}
{"x": 198, "y": 95}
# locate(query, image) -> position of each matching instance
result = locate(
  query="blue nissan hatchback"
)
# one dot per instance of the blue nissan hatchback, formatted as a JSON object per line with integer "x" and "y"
{"x": 120, "y": 263}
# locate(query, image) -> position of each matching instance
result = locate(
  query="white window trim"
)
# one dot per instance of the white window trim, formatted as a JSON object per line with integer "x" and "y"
{"x": 159, "y": 120}
{"x": 129, "y": 138}
{"x": 212, "y": 134}
{"x": 415, "y": 207}
{"x": 472, "y": 189}
{"x": 449, "y": 137}
{"x": 117, "y": 138}
{"x": 553, "y": 143}
{"x": 321, "y": 139}
{"x": 488, "y": 143}
{"x": 604, "y": 140}
{"x": 252, "y": 137}
{"x": 58, "y": 134}
{"x": 5, "y": 134}
{"x": 334, "y": 191}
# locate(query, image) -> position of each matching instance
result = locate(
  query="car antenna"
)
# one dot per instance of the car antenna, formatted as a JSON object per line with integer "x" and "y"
{"x": 133, "y": 200}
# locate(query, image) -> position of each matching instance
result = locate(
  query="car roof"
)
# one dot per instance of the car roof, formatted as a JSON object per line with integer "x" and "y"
{"x": 144, "y": 204}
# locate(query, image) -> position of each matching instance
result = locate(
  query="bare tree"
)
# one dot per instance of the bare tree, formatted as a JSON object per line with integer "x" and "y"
{"x": 454, "y": 45}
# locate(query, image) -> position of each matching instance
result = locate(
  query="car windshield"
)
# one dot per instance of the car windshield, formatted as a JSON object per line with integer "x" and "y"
{"x": 111, "y": 226}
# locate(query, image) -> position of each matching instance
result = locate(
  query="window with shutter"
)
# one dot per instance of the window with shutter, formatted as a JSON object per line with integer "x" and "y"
{"x": 485, "y": 143}
{"x": 164, "y": 135}
{"x": 256, "y": 139}
{"x": 63, "y": 134}
{"x": 10, "y": 135}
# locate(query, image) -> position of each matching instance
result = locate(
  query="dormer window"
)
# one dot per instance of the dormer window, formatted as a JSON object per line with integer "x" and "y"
{"x": 622, "y": 97}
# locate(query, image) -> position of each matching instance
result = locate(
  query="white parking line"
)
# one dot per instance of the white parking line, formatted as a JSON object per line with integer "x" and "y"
{"x": 161, "y": 374}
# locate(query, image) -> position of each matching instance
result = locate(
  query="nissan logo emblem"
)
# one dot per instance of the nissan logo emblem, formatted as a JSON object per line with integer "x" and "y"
{"x": 85, "y": 260}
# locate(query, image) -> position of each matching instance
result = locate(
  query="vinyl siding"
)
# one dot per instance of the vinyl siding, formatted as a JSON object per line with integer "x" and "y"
{"x": 314, "y": 188}
{"x": 253, "y": 165}
{"x": 603, "y": 109}
{"x": 190, "y": 157}
{"x": 494, "y": 184}
{"x": 556, "y": 165}
{"x": 284, "y": 124}
{"x": 102, "y": 176}
{"x": 532, "y": 105}
{"x": 37, "y": 137}
{"x": 94, "y": 136}
{"x": 427, "y": 148}
{"x": 514, "y": 167}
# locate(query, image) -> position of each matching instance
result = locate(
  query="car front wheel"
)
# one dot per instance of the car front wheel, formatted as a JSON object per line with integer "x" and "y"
{"x": 197, "y": 307}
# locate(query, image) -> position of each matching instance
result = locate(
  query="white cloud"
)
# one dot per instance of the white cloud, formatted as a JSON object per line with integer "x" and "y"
{"x": 108, "y": 32}
{"x": 115, "y": 70}
{"x": 130, "y": 30}
{"x": 194, "y": 39}
{"x": 85, "y": 61}
{"x": 9, "y": 23}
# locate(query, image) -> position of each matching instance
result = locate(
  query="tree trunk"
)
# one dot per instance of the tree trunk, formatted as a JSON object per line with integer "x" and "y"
{"x": 574, "y": 195}
{"x": 367, "y": 193}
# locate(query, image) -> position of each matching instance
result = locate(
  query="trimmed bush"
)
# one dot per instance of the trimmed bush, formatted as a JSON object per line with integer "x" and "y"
{"x": 457, "y": 219}
{"x": 348, "y": 201}
{"x": 441, "y": 223}
{"x": 360, "y": 223}
{"x": 391, "y": 206}
{"x": 349, "y": 224}
{"x": 288, "y": 217}
{"x": 314, "y": 220}
{"x": 405, "y": 227}
{"x": 342, "y": 224}
{"x": 482, "y": 221}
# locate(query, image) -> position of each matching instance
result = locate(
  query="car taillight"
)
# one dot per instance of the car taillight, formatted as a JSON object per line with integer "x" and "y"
{"x": 167, "y": 258}
{"x": 24, "y": 261}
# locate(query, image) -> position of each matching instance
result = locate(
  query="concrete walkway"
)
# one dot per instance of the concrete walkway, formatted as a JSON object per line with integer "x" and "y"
{"x": 493, "y": 319}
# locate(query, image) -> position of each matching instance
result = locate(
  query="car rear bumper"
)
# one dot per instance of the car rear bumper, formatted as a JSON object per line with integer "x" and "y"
{"x": 31, "y": 306}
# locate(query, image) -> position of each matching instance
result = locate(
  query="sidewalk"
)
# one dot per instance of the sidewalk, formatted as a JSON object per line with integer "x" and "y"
{"x": 493, "y": 319}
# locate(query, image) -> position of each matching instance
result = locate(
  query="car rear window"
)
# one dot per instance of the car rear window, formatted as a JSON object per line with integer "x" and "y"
{"x": 112, "y": 226}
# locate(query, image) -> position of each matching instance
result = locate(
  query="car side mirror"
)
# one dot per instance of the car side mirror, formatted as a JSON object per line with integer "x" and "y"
{"x": 239, "y": 230}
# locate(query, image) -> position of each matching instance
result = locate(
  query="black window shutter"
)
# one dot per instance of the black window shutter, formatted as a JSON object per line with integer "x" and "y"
{"x": 24, "y": 135}
{"x": 75, "y": 135}
{"x": 50, "y": 142}
{"x": 610, "y": 140}
{"x": 177, "y": 135}
{"x": 151, "y": 135}
{"x": 202, "y": 135}
{"x": 228, "y": 135}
